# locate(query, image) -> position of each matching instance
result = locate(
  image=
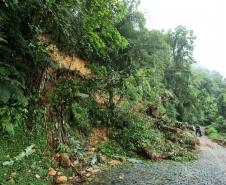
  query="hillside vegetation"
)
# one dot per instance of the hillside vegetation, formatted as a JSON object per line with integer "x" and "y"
{"x": 87, "y": 79}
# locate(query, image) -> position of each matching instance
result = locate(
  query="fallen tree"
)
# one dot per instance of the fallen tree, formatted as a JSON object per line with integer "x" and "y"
{"x": 155, "y": 155}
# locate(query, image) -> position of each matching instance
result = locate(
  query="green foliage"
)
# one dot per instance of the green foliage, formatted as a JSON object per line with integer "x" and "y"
{"x": 215, "y": 132}
{"x": 11, "y": 85}
{"x": 11, "y": 117}
{"x": 76, "y": 148}
{"x": 188, "y": 139}
{"x": 111, "y": 149}
{"x": 26, "y": 165}
{"x": 211, "y": 130}
{"x": 6, "y": 124}
{"x": 86, "y": 28}
{"x": 132, "y": 130}
{"x": 130, "y": 66}
{"x": 28, "y": 151}
{"x": 75, "y": 101}
{"x": 80, "y": 115}
{"x": 186, "y": 156}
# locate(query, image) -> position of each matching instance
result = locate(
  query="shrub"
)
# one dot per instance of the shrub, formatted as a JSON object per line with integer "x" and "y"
{"x": 214, "y": 134}
{"x": 221, "y": 127}
{"x": 211, "y": 130}
{"x": 111, "y": 149}
{"x": 13, "y": 101}
{"x": 80, "y": 116}
{"x": 11, "y": 117}
{"x": 131, "y": 130}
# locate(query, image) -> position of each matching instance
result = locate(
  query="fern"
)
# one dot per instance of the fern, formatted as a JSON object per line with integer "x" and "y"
{"x": 4, "y": 71}
{"x": 12, "y": 98}
{"x": 13, "y": 91}
{"x": 28, "y": 151}
{"x": 11, "y": 85}
{"x": 5, "y": 93}
{"x": 2, "y": 38}
{"x": 80, "y": 114}
{"x": 11, "y": 117}
{"x": 6, "y": 124}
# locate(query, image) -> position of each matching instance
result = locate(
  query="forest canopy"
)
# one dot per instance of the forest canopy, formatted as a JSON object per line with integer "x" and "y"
{"x": 148, "y": 66}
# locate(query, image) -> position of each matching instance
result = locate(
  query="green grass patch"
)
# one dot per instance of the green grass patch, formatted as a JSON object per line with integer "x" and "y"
{"x": 184, "y": 156}
{"x": 25, "y": 168}
{"x": 214, "y": 134}
{"x": 111, "y": 149}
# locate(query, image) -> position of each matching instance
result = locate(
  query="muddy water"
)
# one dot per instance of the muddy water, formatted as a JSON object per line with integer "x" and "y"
{"x": 209, "y": 169}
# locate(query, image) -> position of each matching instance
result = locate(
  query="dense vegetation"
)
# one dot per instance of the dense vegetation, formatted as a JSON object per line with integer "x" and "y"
{"x": 146, "y": 81}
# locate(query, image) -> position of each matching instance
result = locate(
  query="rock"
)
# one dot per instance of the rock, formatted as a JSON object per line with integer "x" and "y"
{"x": 122, "y": 159}
{"x": 88, "y": 174}
{"x": 52, "y": 172}
{"x": 10, "y": 180}
{"x": 95, "y": 167}
{"x": 103, "y": 159}
{"x": 37, "y": 176}
{"x": 82, "y": 173}
{"x": 56, "y": 158}
{"x": 89, "y": 169}
{"x": 60, "y": 179}
{"x": 122, "y": 177}
{"x": 93, "y": 149}
{"x": 93, "y": 170}
{"x": 77, "y": 179}
{"x": 65, "y": 160}
{"x": 114, "y": 162}
{"x": 75, "y": 163}
{"x": 134, "y": 161}
{"x": 96, "y": 171}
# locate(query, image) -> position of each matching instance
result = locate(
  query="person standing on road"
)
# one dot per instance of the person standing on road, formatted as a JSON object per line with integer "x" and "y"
{"x": 198, "y": 130}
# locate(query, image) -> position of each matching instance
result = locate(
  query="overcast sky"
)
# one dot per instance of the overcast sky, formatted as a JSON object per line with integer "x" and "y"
{"x": 206, "y": 17}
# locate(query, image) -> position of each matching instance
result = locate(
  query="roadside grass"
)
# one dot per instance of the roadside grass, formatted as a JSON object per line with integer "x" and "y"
{"x": 186, "y": 156}
{"x": 30, "y": 169}
{"x": 111, "y": 149}
{"x": 213, "y": 133}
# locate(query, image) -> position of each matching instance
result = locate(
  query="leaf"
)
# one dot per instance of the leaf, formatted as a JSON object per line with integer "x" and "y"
{"x": 4, "y": 71}
{"x": 20, "y": 156}
{"x": 18, "y": 95}
{"x": 30, "y": 150}
{"x": 2, "y": 39}
{"x": 93, "y": 160}
{"x": 11, "y": 90}
{"x": 82, "y": 95}
{"x": 6, "y": 124}
{"x": 8, "y": 163}
{"x": 5, "y": 93}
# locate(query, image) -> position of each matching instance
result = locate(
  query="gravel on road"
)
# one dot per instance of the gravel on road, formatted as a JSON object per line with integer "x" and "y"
{"x": 209, "y": 169}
